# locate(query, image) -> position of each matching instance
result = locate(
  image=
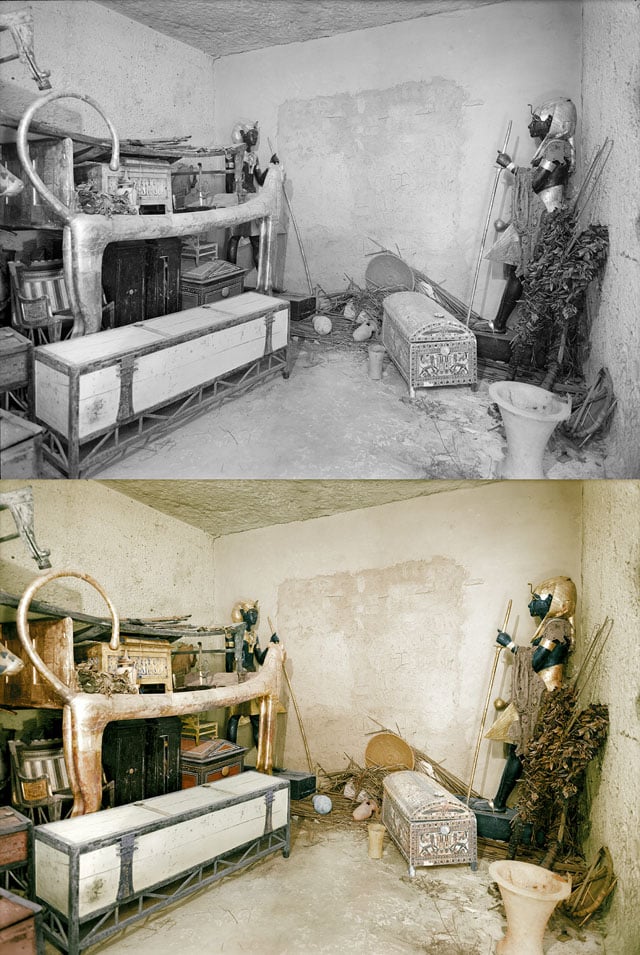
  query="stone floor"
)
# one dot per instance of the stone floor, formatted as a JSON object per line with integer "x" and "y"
{"x": 330, "y": 420}
{"x": 330, "y": 897}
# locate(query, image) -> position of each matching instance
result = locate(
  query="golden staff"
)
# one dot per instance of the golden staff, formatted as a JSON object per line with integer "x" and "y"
{"x": 295, "y": 706}
{"x": 486, "y": 704}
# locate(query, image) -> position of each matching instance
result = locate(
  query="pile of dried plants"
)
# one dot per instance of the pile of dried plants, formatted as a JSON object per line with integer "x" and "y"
{"x": 94, "y": 202}
{"x": 92, "y": 679}
{"x": 565, "y": 741}
{"x": 554, "y": 290}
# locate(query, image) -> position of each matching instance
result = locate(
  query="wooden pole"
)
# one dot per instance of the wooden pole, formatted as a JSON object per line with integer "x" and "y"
{"x": 486, "y": 705}
{"x": 295, "y": 706}
{"x": 486, "y": 227}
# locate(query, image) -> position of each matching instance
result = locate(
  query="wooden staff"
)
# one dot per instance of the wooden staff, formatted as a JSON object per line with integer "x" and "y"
{"x": 295, "y": 706}
{"x": 486, "y": 704}
{"x": 486, "y": 227}
{"x": 297, "y": 232}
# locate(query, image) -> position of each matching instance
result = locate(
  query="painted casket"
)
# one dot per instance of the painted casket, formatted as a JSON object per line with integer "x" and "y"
{"x": 427, "y": 823}
{"x": 98, "y": 393}
{"x": 89, "y": 869}
{"x": 429, "y": 345}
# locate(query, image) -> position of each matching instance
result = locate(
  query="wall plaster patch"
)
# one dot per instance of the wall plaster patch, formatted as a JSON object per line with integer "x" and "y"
{"x": 361, "y": 642}
{"x": 357, "y": 159}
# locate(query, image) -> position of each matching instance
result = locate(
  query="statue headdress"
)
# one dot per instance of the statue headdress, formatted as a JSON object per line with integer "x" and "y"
{"x": 562, "y": 591}
{"x": 564, "y": 119}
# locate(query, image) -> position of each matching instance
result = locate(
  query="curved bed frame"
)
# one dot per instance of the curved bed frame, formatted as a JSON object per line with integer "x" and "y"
{"x": 85, "y": 237}
{"x": 85, "y": 715}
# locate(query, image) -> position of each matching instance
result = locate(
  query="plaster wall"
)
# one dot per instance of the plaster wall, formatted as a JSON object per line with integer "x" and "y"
{"x": 388, "y": 135}
{"x": 611, "y": 587}
{"x": 390, "y": 613}
{"x": 611, "y": 108}
{"x": 149, "y": 564}
{"x": 150, "y": 86}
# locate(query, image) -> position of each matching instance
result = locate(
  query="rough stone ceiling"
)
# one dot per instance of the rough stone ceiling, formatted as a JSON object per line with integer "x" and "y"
{"x": 221, "y": 27}
{"x": 229, "y": 507}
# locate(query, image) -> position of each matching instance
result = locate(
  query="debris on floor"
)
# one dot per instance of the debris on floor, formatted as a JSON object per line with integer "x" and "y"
{"x": 330, "y": 419}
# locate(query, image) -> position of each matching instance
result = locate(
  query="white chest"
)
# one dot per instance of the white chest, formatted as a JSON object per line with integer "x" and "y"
{"x": 95, "y": 386}
{"x": 96, "y": 865}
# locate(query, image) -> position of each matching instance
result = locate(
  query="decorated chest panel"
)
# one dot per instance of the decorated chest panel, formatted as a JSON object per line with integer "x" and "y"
{"x": 427, "y": 823}
{"x": 151, "y": 181}
{"x": 150, "y": 659}
{"x": 429, "y": 346}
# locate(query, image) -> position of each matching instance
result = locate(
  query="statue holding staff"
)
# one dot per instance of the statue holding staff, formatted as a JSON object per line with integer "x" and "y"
{"x": 538, "y": 189}
{"x": 538, "y": 669}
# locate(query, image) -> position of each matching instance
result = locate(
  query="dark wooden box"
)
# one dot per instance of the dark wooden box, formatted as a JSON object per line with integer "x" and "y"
{"x": 499, "y": 825}
{"x": 210, "y": 282}
{"x": 20, "y": 925}
{"x": 300, "y": 306}
{"x": 142, "y": 278}
{"x": 214, "y": 759}
{"x": 142, "y": 757}
{"x": 16, "y": 847}
{"x": 301, "y": 784}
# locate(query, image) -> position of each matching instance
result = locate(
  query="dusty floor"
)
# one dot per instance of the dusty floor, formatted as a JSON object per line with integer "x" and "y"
{"x": 330, "y": 420}
{"x": 329, "y": 897}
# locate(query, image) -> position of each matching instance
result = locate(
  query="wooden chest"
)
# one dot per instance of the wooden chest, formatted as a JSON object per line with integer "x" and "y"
{"x": 53, "y": 641}
{"x": 16, "y": 357}
{"x": 151, "y": 659}
{"x": 16, "y": 848}
{"x": 427, "y": 823}
{"x": 142, "y": 278}
{"x": 142, "y": 758}
{"x": 90, "y": 388}
{"x": 20, "y": 447}
{"x": 211, "y": 760}
{"x": 428, "y": 345}
{"x": 210, "y": 282}
{"x": 151, "y": 180}
{"x": 88, "y": 868}
{"x": 20, "y": 925}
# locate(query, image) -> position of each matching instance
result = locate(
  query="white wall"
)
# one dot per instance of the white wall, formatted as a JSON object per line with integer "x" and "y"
{"x": 611, "y": 588}
{"x": 611, "y": 80}
{"x": 391, "y": 133}
{"x": 149, "y": 85}
{"x": 150, "y": 565}
{"x": 391, "y": 612}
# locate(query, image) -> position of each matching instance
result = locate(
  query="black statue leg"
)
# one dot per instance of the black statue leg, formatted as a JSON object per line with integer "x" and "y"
{"x": 510, "y": 776}
{"x": 255, "y": 726}
{"x": 511, "y": 294}
{"x": 232, "y": 728}
{"x": 232, "y": 249}
{"x": 255, "y": 248}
